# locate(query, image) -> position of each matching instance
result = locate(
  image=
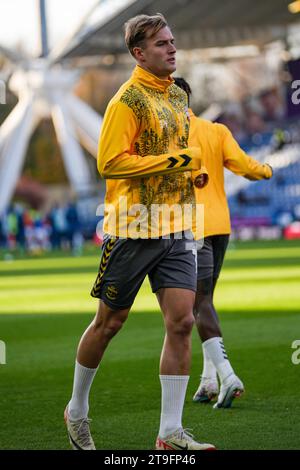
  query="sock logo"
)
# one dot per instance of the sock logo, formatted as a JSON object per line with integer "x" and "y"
{"x": 223, "y": 350}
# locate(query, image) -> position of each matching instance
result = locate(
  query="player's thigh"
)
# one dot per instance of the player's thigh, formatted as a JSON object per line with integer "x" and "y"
{"x": 176, "y": 303}
{"x": 205, "y": 269}
{"x": 205, "y": 289}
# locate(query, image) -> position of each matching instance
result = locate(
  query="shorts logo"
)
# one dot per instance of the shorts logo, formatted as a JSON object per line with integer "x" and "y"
{"x": 111, "y": 292}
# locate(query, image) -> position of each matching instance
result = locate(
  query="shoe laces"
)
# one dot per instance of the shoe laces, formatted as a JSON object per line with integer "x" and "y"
{"x": 186, "y": 434}
{"x": 207, "y": 384}
{"x": 229, "y": 378}
{"x": 82, "y": 429}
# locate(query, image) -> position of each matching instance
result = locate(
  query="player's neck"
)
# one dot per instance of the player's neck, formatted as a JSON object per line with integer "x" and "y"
{"x": 163, "y": 77}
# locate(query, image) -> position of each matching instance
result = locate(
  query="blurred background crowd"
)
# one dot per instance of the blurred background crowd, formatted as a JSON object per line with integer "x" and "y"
{"x": 31, "y": 230}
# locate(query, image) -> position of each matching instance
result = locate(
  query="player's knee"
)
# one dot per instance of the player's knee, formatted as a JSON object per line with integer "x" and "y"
{"x": 186, "y": 325}
{"x": 182, "y": 326}
{"x": 112, "y": 329}
{"x": 110, "y": 323}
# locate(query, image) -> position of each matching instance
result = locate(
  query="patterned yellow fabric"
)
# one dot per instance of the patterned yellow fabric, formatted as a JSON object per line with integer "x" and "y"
{"x": 145, "y": 133}
{"x": 219, "y": 149}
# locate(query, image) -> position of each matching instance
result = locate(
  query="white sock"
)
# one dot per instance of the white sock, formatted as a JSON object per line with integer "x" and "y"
{"x": 209, "y": 370}
{"x": 173, "y": 390}
{"x": 216, "y": 351}
{"x": 78, "y": 407}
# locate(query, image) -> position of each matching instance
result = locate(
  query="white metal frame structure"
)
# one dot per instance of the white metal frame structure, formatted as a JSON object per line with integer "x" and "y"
{"x": 45, "y": 91}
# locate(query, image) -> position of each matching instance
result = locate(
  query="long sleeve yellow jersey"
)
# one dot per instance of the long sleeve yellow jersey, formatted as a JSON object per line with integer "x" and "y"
{"x": 219, "y": 149}
{"x": 144, "y": 155}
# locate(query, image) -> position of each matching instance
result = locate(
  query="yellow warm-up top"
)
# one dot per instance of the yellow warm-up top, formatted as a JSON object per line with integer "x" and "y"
{"x": 144, "y": 154}
{"x": 219, "y": 149}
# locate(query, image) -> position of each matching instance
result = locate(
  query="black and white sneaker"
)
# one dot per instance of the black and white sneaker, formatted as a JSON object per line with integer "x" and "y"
{"x": 79, "y": 433}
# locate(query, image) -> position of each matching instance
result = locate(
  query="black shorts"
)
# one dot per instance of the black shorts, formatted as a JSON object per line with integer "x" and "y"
{"x": 211, "y": 256}
{"x": 126, "y": 262}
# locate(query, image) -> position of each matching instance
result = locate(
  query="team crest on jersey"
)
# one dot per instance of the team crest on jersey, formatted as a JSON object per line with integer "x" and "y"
{"x": 111, "y": 292}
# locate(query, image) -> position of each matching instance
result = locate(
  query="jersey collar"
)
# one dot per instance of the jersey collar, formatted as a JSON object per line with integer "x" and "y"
{"x": 150, "y": 80}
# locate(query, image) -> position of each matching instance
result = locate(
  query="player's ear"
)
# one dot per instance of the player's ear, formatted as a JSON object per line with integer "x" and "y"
{"x": 138, "y": 53}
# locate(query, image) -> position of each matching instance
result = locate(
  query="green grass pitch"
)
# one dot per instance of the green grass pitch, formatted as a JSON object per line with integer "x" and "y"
{"x": 45, "y": 306}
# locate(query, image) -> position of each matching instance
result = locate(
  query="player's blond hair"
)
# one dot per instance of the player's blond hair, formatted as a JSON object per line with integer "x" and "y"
{"x": 141, "y": 27}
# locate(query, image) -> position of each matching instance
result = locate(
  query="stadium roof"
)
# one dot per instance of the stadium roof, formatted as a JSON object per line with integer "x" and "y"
{"x": 195, "y": 24}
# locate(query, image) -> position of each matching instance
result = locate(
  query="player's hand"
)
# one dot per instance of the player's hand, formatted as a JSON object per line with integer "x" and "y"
{"x": 250, "y": 178}
{"x": 267, "y": 164}
{"x": 200, "y": 178}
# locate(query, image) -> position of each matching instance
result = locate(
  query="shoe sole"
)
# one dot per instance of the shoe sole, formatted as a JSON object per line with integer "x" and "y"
{"x": 209, "y": 449}
{"x": 178, "y": 450}
{"x": 232, "y": 393}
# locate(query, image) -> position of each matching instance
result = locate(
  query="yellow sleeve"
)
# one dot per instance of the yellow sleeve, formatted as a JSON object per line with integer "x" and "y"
{"x": 237, "y": 161}
{"x": 116, "y": 156}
